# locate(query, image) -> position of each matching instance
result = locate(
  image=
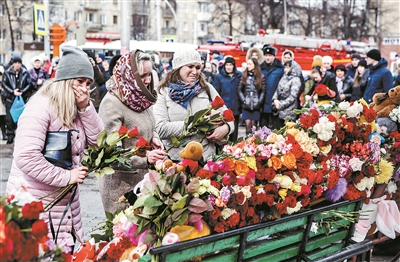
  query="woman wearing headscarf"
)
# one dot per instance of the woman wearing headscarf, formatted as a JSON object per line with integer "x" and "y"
{"x": 129, "y": 102}
{"x": 182, "y": 91}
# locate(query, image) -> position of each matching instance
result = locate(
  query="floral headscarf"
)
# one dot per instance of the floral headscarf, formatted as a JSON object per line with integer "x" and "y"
{"x": 126, "y": 88}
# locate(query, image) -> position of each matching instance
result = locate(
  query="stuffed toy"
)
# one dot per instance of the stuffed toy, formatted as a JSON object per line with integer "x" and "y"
{"x": 384, "y": 126}
{"x": 383, "y": 103}
{"x": 193, "y": 151}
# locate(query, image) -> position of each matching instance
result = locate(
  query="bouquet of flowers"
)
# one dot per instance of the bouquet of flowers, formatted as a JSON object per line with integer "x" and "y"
{"x": 106, "y": 153}
{"x": 203, "y": 122}
{"x": 23, "y": 236}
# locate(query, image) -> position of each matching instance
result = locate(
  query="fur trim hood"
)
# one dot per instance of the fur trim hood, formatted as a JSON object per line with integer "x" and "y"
{"x": 259, "y": 54}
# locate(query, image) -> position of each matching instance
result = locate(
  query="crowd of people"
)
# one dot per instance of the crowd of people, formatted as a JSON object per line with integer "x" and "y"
{"x": 89, "y": 93}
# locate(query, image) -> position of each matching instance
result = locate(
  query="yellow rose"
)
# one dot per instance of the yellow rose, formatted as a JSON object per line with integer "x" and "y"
{"x": 295, "y": 188}
{"x": 251, "y": 162}
{"x": 290, "y": 124}
{"x": 292, "y": 131}
{"x": 326, "y": 149}
{"x": 286, "y": 182}
{"x": 274, "y": 138}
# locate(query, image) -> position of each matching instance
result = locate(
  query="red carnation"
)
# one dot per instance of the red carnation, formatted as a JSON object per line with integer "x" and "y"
{"x": 281, "y": 208}
{"x": 269, "y": 199}
{"x": 215, "y": 214}
{"x": 240, "y": 198}
{"x": 217, "y": 103}
{"x": 32, "y": 210}
{"x": 290, "y": 201}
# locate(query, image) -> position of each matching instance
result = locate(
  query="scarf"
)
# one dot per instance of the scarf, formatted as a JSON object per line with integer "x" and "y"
{"x": 183, "y": 93}
{"x": 126, "y": 88}
{"x": 339, "y": 84}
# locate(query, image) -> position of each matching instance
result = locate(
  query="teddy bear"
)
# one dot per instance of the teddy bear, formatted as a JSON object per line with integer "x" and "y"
{"x": 383, "y": 103}
{"x": 193, "y": 150}
{"x": 384, "y": 126}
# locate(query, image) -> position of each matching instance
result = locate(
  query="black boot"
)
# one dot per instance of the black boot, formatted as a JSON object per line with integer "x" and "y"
{"x": 10, "y": 139}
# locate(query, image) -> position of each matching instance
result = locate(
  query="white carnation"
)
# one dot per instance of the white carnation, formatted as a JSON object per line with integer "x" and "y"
{"x": 355, "y": 109}
{"x": 344, "y": 105}
{"x": 365, "y": 183}
{"x": 356, "y": 164}
{"x": 391, "y": 187}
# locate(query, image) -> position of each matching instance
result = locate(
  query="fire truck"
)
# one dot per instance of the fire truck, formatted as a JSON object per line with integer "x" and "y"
{"x": 304, "y": 48}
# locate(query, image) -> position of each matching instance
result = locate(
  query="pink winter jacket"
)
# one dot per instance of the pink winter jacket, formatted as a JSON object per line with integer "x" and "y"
{"x": 43, "y": 177}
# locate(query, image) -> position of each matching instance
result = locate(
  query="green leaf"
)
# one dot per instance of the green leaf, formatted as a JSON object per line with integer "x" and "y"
{"x": 205, "y": 128}
{"x": 108, "y": 170}
{"x": 112, "y": 138}
{"x": 110, "y": 160}
{"x": 149, "y": 210}
{"x": 181, "y": 203}
{"x": 177, "y": 214}
{"x": 151, "y": 201}
{"x": 140, "y": 201}
{"x": 175, "y": 142}
{"x": 164, "y": 186}
{"x": 99, "y": 158}
{"x": 199, "y": 114}
{"x": 182, "y": 220}
{"x": 100, "y": 138}
{"x": 201, "y": 136}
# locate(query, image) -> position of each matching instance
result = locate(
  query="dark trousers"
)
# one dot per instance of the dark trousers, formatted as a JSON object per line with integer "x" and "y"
{"x": 270, "y": 120}
{"x": 234, "y": 136}
{"x": 10, "y": 125}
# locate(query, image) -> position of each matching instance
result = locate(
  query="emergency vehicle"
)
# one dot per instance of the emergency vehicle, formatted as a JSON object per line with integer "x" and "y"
{"x": 304, "y": 48}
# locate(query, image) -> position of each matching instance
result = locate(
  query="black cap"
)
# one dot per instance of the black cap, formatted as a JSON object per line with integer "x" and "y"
{"x": 363, "y": 63}
{"x": 340, "y": 67}
{"x": 374, "y": 54}
{"x": 269, "y": 50}
{"x": 356, "y": 56}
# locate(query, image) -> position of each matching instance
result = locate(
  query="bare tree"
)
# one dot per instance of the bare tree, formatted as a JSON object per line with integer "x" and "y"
{"x": 10, "y": 25}
{"x": 227, "y": 12}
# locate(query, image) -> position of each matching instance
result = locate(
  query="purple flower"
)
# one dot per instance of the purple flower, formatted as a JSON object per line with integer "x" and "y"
{"x": 396, "y": 175}
{"x": 225, "y": 194}
{"x": 337, "y": 191}
{"x": 375, "y": 152}
{"x": 211, "y": 198}
{"x": 262, "y": 133}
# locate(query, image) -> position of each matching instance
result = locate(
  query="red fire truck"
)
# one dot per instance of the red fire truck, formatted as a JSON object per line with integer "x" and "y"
{"x": 304, "y": 48}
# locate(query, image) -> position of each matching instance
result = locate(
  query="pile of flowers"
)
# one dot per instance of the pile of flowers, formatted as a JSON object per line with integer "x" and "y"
{"x": 329, "y": 153}
{"x": 23, "y": 236}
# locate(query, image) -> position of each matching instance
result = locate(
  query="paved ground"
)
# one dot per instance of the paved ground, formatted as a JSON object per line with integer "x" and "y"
{"x": 92, "y": 210}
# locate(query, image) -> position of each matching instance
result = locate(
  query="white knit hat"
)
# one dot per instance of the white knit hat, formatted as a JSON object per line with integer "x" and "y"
{"x": 185, "y": 57}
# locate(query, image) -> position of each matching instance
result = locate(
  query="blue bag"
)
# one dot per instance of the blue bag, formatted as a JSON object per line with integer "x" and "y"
{"x": 17, "y": 108}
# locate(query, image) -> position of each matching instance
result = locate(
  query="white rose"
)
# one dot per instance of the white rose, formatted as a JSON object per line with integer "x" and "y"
{"x": 356, "y": 164}
{"x": 201, "y": 190}
{"x": 354, "y": 110}
{"x": 227, "y": 212}
{"x": 391, "y": 187}
{"x": 325, "y": 136}
{"x": 365, "y": 183}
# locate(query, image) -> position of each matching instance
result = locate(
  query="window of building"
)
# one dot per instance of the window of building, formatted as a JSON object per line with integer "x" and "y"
{"x": 115, "y": 19}
{"x": 2, "y": 9}
{"x": 167, "y": 24}
{"x": 194, "y": 9}
{"x": 76, "y": 16}
{"x": 89, "y": 17}
{"x": 2, "y": 58}
{"x": 103, "y": 19}
{"x": 66, "y": 15}
{"x": 18, "y": 11}
{"x": 203, "y": 27}
{"x": 185, "y": 26}
{"x": 3, "y": 34}
{"x": 18, "y": 35}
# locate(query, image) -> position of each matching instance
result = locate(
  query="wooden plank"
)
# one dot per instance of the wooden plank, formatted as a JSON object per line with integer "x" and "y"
{"x": 322, "y": 252}
{"x": 253, "y": 235}
{"x": 261, "y": 247}
{"x": 224, "y": 257}
{"x": 208, "y": 248}
{"x": 325, "y": 240}
{"x": 278, "y": 255}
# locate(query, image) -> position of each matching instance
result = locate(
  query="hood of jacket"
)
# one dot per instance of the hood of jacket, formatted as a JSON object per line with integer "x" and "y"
{"x": 382, "y": 63}
{"x": 259, "y": 52}
{"x": 295, "y": 69}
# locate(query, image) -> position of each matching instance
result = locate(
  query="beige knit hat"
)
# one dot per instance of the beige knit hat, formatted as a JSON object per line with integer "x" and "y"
{"x": 185, "y": 57}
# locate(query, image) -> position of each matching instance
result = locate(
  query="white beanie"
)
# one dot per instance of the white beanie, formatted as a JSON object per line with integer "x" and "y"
{"x": 185, "y": 57}
{"x": 37, "y": 58}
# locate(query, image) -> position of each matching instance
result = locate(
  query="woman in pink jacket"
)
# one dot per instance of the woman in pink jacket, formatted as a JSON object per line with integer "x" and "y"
{"x": 61, "y": 104}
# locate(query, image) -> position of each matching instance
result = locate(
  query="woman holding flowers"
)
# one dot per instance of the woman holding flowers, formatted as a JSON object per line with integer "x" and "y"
{"x": 184, "y": 91}
{"x": 59, "y": 105}
{"x": 128, "y": 103}
{"x": 329, "y": 92}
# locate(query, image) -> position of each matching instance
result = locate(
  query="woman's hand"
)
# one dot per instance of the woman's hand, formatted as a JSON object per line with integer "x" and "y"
{"x": 157, "y": 144}
{"x": 154, "y": 155}
{"x": 81, "y": 96}
{"x": 307, "y": 97}
{"x": 219, "y": 133}
{"x": 277, "y": 104}
{"x": 78, "y": 175}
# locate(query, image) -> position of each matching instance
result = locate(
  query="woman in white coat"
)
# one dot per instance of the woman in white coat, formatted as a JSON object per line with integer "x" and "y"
{"x": 181, "y": 91}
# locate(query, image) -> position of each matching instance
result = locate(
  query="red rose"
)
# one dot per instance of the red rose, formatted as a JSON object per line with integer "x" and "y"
{"x": 219, "y": 227}
{"x": 270, "y": 173}
{"x": 290, "y": 201}
{"x": 305, "y": 202}
{"x": 217, "y": 103}
{"x": 281, "y": 208}
{"x": 143, "y": 143}
{"x": 123, "y": 130}
{"x": 32, "y": 210}
{"x": 250, "y": 212}
{"x": 216, "y": 184}
{"x": 269, "y": 199}
{"x": 226, "y": 180}
{"x": 134, "y": 132}
{"x": 270, "y": 188}
{"x": 39, "y": 229}
{"x": 215, "y": 214}
{"x": 204, "y": 174}
{"x": 233, "y": 220}
{"x": 228, "y": 115}
{"x": 240, "y": 198}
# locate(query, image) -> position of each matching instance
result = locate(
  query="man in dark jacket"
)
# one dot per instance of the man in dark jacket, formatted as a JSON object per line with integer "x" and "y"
{"x": 380, "y": 78}
{"x": 272, "y": 70}
{"x": 16, "y": 82}
{"x": 226, "y": 83}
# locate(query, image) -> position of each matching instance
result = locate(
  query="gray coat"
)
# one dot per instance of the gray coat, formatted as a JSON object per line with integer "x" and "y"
{"x": 288, "y": 92}
{"x": 114, "y": 113}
